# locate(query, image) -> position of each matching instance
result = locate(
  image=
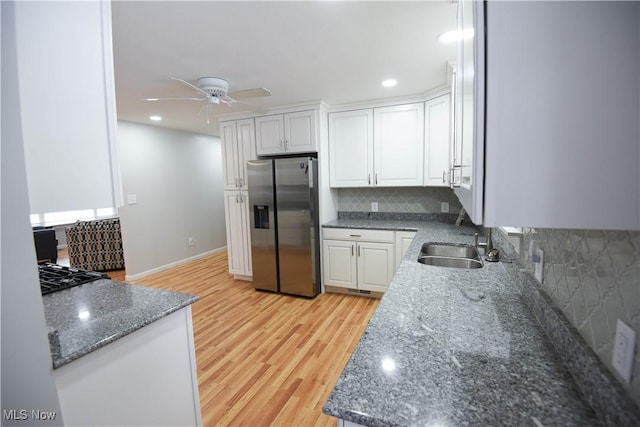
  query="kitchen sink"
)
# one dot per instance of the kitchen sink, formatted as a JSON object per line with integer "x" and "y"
{"x": 450, "y": 255}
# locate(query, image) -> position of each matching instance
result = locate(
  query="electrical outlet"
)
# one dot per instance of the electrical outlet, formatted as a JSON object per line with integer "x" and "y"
{"x": 444, "y": 207}
{"x": 131, "y": 199}
{"x": 623, "y": 350}
{"x": 190, "y": 241}
{"x": 539, "y": 265}
{"x": 374, "y": 206}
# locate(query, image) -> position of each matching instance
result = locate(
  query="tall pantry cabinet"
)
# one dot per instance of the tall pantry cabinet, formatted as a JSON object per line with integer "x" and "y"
{"x": 238, "y": 146}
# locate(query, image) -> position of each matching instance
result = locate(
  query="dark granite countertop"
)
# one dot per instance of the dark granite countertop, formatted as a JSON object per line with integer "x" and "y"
{"x": 454, "y": 347}
{"x": 87, "y": 317}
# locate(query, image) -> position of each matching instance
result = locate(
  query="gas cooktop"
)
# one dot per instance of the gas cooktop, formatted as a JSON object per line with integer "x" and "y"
{"x": 55, "y": 277}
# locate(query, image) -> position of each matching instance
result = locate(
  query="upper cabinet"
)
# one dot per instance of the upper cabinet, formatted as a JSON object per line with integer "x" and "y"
{"x": 398, "y": 141}
{"x": 238, "y": 146}
{"x": 377, "y": 147}
{"x": 562, "y": 143}
{"x": 286, "y": 133}
{"x": 437, "y": 141}
{"x": 351, "y": 148}
{"x": 469, "y": 115}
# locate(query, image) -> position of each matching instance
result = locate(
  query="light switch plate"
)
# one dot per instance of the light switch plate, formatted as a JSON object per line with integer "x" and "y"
{"x": 444, "y": 207}
{"x": 374, "y": 206}
{"x": 131, "y": 199}
{"x": 623, "y": 350}
{"x": 539, "y": 265}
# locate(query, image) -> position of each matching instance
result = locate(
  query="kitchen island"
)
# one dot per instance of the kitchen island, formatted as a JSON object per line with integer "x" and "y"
{"x": 450, "y": 346}
{"x": 123, "y": 355}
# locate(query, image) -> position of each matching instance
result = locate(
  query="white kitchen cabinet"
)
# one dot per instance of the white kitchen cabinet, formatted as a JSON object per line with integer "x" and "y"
{"x": 339, "y": 267}
{"x": 351, "y": 148}
{"x": 145, "y": 378}
{"x": 236, "y": 209}
{"x": 358, "y": 259}
{"x": 561, "y": 147}
{"x": 469, "y": 118}
{"x": 238, "y": 146}
{"x": 286, "y": 133}
{"x": 379, "y": 147}
{"x": 398, "y": 145}
{"x": 403, "y": 240}
{"x": 437, "y": 141}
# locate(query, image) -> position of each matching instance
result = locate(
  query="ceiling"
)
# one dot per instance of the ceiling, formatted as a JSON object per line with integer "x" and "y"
{"x": 334, "y": 51}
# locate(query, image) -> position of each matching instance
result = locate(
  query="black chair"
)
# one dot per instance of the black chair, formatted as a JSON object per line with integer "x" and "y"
{"x": 46, "y": 244}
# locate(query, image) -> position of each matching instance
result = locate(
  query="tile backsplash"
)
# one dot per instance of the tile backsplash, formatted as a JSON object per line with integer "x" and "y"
{"x": 593, "y": 277}
{"x": 401, "y": 199}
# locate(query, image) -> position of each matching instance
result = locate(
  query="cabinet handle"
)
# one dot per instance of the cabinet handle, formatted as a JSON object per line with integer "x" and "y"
{"x": 376, "y": 178}
{"x": 369, "y": 179}
{"x": 286, "y": 145}
{"x": 443, "y": 172}
{"x": 237, "y": 199}
{"x": 358, "y": 250}
{"x": 351, "y": 250}
{"x": 355, "y": 235}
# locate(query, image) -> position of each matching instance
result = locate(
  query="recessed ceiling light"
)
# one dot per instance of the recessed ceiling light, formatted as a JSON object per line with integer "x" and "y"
{"x": 454, "y": 36}
{"x": 389, "y": 83}
{"x": 155, "y": 118}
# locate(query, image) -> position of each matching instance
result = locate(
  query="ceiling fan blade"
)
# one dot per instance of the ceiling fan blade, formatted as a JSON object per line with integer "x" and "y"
{"x": 175, "y": 99}
{"x": 191, "y": 86}
{"x": 250, "y": 93}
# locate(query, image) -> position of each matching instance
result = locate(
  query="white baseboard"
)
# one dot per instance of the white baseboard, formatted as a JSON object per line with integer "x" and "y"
{"x": 173, "y": 264}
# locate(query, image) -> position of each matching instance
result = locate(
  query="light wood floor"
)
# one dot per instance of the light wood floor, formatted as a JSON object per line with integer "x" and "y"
{"x": 264, "y": 359}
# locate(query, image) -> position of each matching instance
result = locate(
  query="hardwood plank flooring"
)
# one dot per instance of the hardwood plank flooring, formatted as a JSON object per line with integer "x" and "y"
{"x": 264, "y": 359}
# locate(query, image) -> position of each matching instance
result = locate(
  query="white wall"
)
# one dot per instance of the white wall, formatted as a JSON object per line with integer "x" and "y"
{"x": 177, "y": 180}
{"x": 27, "y": 381}
{"x": 66, "y": 70}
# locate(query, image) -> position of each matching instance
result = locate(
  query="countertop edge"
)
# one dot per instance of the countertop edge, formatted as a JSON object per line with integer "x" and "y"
{"x": 59, "y": 361}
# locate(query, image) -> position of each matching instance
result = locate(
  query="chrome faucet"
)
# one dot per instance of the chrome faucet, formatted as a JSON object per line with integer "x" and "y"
{"x": 490, "y": 253}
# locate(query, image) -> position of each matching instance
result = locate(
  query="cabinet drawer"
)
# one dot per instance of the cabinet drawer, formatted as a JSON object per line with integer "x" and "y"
{"x": 356, "y": 234}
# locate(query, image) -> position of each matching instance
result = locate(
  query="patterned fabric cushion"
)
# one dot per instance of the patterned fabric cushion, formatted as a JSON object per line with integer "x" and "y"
{"x": 95, "y": 245}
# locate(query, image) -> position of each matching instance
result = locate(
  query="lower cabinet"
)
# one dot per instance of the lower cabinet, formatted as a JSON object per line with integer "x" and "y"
{"x": 358, "y": 259}
{"x": 403, "y": 240}
{"x": 147, "y": 378}
{"x": 236, "y": 210}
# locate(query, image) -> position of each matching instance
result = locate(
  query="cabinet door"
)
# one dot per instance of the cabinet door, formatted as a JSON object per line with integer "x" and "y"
{"x": 470, "y": 109}
{"x": 270, "y": 135}
{"x": 246, "y": 147}
{"x": 229, "y": 154}
{"x": 403, "y": 240}
{"x": 339, "y": 266}
{"x": 375, "y": 266}
{"x": 437, "y": 143}
{"x": 238, "y": 239}
{"x": 399, "y": 145}
{"x": 351, "y": 148}
{"x": 300, "y": 132}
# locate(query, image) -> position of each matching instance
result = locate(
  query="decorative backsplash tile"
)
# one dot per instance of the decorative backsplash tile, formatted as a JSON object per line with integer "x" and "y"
{"x": 593, "y": 277}
{"x": 402, "y": 199}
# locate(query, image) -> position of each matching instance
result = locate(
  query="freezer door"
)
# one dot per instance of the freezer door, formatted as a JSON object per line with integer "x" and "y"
{"x": 296, "y": 200}
{"x": 262, "y": 224}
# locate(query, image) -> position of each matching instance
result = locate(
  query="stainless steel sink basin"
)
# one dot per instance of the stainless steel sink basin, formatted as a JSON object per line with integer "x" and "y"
{"x": 450, "y": 255}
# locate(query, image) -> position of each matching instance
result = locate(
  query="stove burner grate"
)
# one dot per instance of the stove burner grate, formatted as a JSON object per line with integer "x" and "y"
{"x": 55, "y": 277}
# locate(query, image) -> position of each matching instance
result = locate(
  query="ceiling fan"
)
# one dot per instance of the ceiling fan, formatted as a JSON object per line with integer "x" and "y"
{"x": 214, "y": 90}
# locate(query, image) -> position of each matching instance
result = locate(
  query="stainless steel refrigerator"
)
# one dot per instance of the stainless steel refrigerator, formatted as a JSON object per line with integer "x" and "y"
{"x": 283, "y": 197}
